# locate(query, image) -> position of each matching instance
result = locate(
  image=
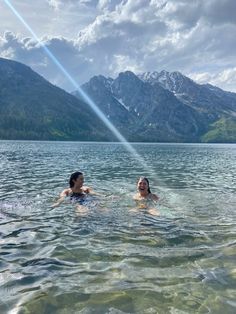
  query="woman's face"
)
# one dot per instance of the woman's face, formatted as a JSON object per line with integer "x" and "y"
{"x": 142, "y": 185}
{"x": 79, "y": 181}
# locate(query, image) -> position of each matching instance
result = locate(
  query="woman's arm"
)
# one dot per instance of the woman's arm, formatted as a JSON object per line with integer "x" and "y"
{"x": 62, "y": 197}
{"x": 88, "y": 190}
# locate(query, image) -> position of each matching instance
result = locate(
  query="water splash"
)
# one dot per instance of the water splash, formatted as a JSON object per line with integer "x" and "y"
{"x": 86, "y": 98}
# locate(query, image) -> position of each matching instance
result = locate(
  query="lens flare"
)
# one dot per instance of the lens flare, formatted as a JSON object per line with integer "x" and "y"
{"x": 86, "y": 98}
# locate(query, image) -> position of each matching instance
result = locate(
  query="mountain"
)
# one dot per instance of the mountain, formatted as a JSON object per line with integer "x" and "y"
{"x": 165, "y": 107}
{"x": 217, "y": 106}
{"x": 151, "y": 107}
{"x": 205, "y": 97}
{"x": 33, "y": 109}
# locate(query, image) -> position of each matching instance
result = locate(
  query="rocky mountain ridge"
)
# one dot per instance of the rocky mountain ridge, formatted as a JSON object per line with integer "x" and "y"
{"x": 163, "y": 106}
{"x": 153, "y": 107}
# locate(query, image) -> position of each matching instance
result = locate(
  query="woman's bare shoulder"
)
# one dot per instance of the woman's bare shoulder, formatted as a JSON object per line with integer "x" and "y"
{"x": 136, "y": 197}
{"x": 65, "y": 192}
{"x": 154, "y": 197}
{"x": 87, "y": 189}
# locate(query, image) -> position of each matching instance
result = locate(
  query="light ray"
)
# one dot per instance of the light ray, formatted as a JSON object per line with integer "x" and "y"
{"x": 86, "y": 98}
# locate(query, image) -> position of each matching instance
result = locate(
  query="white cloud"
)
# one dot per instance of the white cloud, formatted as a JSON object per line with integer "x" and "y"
{"x": 123, "y": 63}
{"x": 107, "y": 5}
{"x": 55, "y": 3}
{"x": 92, "y": 37}
{"x": 71, "y": 4}
{"x": 31, "y": 53}
{"x": 226, "y": 78}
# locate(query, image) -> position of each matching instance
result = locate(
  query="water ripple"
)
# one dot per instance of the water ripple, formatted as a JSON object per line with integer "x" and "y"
{"x": 113, "y": 260}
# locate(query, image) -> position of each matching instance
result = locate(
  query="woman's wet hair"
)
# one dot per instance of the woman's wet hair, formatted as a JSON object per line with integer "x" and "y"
{"x": 74, "y": 177}
{"x": 146, "y": 179}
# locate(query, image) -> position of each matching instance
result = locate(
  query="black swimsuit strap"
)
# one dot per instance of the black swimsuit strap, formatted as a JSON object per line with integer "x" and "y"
{"x": 77, "y": 194}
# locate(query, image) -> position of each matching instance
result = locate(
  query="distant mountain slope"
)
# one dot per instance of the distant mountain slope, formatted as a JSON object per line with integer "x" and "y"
{"x": 217, "y": 105}
{"x": 32, "y": 108}
{"x": 201, "y": 97}
{"x": 165, "y": 107}
{"x": 152, "y": 107}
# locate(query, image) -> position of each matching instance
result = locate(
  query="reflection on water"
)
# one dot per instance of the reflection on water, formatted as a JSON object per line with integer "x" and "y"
{"x": 113, "y": 259}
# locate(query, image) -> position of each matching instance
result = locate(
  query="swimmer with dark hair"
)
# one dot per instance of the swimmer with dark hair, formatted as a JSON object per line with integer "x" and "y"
{"x": 77, "y": 191}
{"x": 144, "y": 197}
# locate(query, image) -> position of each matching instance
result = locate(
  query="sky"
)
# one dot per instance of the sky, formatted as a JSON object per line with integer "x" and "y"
{"x": 106, "y": 37}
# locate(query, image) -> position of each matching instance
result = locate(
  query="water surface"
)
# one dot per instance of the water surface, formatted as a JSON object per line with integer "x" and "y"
{"x": 114, "y": 260}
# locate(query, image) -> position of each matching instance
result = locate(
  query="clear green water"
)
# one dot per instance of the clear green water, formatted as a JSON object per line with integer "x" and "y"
{"x": 113, "y": 260}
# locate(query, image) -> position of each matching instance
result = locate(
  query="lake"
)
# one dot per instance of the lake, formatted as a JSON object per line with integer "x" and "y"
{"x": 113, "y": 259}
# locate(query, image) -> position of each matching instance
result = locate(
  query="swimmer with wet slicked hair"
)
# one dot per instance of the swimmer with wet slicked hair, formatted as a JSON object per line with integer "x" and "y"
{"x": 77, "y": 191}
{"x": 144, "y": 197}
